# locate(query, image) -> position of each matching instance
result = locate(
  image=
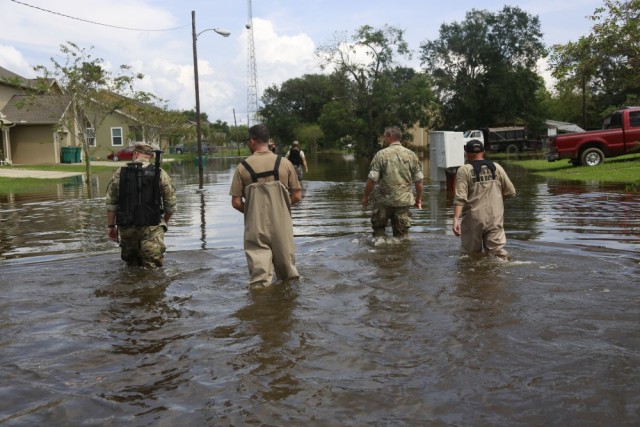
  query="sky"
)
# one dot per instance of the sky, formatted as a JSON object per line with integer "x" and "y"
{"x": 155, "y": 38}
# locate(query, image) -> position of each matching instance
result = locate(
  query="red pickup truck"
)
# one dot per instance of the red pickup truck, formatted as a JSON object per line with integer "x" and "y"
{"x": 620, "y": 135}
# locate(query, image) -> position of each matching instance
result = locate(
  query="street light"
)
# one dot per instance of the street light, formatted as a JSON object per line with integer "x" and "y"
{"x": 223, "y": 33}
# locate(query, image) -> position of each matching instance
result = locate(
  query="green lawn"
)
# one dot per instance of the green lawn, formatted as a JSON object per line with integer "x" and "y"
{"x": 63, "y": 167}
{"x": 624, "y": 170}
{"x": 34, "y": 185}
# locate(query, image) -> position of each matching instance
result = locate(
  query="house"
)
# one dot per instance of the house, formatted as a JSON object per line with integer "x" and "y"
{"x": 125, "y": 122}
{"x": 31, "y": 126}
{"x": 38, "y": 129}
{"x": 38, "y": 122}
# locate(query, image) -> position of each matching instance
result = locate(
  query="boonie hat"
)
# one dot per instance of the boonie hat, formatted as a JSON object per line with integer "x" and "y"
{"x": 144, "y": 148}
{"x": 474, "y": 146}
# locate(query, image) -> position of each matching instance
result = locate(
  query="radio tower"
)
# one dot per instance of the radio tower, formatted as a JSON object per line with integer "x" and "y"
{"x": 252, "y": 75}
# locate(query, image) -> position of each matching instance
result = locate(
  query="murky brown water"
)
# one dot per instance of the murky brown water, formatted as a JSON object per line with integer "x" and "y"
{"x": 394, "y": 333}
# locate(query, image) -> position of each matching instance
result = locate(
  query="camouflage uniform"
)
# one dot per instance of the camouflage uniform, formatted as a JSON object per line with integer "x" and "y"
{"x": 143, "y": 245}
{"x": 395, "y": 168}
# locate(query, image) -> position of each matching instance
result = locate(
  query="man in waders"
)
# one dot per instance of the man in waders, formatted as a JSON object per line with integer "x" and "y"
{"x": 140, "y": 201}
{"x": 263, "y": 188}
{"x": 296, "y": 156}
{"x": 478, "y": 206}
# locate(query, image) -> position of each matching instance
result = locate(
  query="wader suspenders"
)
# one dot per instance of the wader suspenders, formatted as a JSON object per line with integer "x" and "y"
{"x": 477, "y": 166}
{"x": 255, "y": 176}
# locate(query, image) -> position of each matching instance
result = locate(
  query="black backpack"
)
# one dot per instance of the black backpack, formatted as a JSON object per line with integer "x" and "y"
{"x": 139, "y": 202}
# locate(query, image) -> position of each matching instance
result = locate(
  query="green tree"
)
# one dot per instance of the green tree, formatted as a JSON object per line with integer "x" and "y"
{"x": 238, "y": 135}
{"x": 157, "y": 121}
{"x": 603, "y": 66}
{"x": 85, "y": 80}
{"x": 484, "y": 69}
{"x": 220, "y": 127}
{"x": 309, "y": 135}
{"x": 297, "y": 102}
{"x": 372, "y": 87}
{"x": 574, "y": 68}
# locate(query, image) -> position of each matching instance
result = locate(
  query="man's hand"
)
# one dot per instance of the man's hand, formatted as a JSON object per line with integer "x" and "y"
{"x": 418, "y": 204}
{"x": 457, "y": 230}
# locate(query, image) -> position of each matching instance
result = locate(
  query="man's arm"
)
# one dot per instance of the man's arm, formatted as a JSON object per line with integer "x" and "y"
{"x": 112, "y": 232}
{"x": 368, "y": 188}
{"x": 296, "y": 196}
{"x": 418, "y": 194}
{"x": 237, "y": 203}
{"x": 457, "y": 210}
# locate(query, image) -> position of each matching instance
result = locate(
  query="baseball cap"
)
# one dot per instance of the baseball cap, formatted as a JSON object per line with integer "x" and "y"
{"x": 295, "y": 143}
{"x": 474, "y": 146}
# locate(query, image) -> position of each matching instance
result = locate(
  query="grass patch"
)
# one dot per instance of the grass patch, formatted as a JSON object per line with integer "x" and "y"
{"x": 24, "y": 185}
{"x": 623, "y": 170}
{"x": 73, "y": 167}
{"x": 15, "y": 185}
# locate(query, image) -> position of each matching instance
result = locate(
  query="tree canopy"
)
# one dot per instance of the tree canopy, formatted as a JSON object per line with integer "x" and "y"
{"x": 365, "y": 91}
{"x": 372, "y": 90}
{"x": 602, "y": 66}
{"x": 484, "y": 69}
{"x": 85, "y": 80}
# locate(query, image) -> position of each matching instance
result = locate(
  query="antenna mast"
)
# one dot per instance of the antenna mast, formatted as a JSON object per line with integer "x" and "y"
{"x": 252, "y": 75}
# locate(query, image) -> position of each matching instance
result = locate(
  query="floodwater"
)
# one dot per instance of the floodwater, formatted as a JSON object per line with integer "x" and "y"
{"x": 392, "y": 333}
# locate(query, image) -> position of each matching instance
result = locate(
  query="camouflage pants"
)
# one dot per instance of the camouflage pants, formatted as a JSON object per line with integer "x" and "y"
{"x": 143, "y": 246}
{"x": 400, "y": 217}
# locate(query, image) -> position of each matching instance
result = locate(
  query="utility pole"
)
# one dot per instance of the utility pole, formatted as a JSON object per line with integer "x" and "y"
{"x": 235, "y": 124}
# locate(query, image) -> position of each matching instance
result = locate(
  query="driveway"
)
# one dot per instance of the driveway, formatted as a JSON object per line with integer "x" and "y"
{"x": 16, "y": 172}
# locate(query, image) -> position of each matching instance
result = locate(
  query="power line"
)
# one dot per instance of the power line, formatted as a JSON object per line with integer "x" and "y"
{"x": 93, "y": 22}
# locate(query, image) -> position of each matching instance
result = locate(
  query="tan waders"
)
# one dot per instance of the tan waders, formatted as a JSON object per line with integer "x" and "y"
{"x": 482, "y": 220}
{"x": 268, "y": 233}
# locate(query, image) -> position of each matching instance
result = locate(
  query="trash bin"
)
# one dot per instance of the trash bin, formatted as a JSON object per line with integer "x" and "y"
{"x": 77, "y": 154}
{"x": 68, "y": 154}
{"x": 71, "y": 154}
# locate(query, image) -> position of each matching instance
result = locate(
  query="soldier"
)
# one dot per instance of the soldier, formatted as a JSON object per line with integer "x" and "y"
{"x": 296, "y": 156}
{"x": 395, "y": 168}
{"x": 140, "y": 201}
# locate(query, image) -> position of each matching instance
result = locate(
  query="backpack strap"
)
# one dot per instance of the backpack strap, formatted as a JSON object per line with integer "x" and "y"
{"x": 276, "y": 174}
{"x": 477, "y": 166}
{"x": 255, "y": 176}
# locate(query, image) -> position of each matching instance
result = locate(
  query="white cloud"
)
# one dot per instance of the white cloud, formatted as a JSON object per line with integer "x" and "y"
{"x": 543, "y": 70}
{"x": 280, "y": 57}
{"x": 12, "y": 60}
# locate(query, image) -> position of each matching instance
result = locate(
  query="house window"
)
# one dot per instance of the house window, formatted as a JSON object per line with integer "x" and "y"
{"x": 116, "y": 137}
{"x": 91, "y": 137}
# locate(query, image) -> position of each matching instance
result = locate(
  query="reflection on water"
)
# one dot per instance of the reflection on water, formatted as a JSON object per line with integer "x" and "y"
{"x": 64, "y": 222}
{"x": 269, "y": 317}
{"x": 391, "y": 332}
